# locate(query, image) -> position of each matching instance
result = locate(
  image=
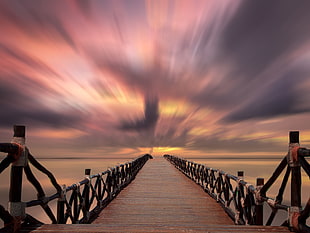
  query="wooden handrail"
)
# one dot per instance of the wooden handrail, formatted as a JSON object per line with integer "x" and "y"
{"x": 245, "y": 197}
{"x": 75, "y": 202}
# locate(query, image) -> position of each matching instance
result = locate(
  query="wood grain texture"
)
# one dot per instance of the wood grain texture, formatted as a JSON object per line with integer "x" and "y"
{"x": 161, "y": 199}
{"x": 99, "y": 228}
{"x": 161, "y": 194}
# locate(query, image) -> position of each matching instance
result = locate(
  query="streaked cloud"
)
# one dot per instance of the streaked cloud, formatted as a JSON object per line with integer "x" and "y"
{"x": 205, "y": 77}
{"x": 149, "y": 119}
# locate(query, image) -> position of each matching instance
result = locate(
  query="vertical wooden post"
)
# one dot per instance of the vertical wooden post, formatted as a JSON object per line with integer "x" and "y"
{"x": 16, "y": 207}
{"x": 295, "y": 169}
{"x": 259, "y": 208}
{"x": 86, "y": 194}
{"x": 113, "y": 179}
{"x": 294, "y": 164}
{"x": 61, "y": 206}
{"x": 87, "y": 172}
{"x": 99, "y": 188}
{"x": 122, "y": 173}
{"x": 117, "y": 178}
{"x": 240, "y": 197}
{"x": 109, "y": 183}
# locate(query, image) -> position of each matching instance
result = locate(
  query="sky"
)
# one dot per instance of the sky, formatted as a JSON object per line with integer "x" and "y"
{"x": 122, "y": 78}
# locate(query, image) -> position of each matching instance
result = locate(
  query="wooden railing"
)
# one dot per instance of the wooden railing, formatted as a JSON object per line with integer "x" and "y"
{"x": 244, "y": 202}
{"x": 83, "y": 201}
{"x": 78, "y": 203}
{"x": 234, "y": 194}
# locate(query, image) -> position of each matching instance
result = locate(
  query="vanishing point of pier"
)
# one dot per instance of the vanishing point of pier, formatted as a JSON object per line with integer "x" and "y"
{"x": 151, "y": 195}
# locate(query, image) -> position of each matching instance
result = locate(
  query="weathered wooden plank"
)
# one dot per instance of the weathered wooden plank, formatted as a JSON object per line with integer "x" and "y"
{"x": 161, "y": 199}
{"x": 160, "y": 194}
{"x": 99, "y": 228}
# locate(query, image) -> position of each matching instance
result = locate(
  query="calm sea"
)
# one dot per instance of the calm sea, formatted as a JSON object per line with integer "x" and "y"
{"x": 69, "y": 171}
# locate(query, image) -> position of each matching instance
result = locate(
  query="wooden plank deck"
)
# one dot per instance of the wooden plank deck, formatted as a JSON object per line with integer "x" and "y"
{"x": 161, "y": 195}
{"x": 99, "y": 228}
{"x": 161, "y": 199}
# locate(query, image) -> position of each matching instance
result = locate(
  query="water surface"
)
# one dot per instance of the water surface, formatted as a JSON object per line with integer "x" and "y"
{"x": 70, "y": 171}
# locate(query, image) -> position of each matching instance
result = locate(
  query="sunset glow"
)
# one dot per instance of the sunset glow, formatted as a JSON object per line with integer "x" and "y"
{"x": 193, "y": 78}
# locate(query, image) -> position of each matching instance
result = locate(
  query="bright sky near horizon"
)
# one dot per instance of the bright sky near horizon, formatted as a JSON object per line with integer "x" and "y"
{"x": 122, "y": 78}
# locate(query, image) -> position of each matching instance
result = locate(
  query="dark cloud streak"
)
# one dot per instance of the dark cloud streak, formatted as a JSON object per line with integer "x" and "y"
{"x": 241, "y": 64}
{"x": 255, "y": 47}
{"x": 151, "y": 115}
{"x": 281, "y": 97}
{"x": 37, "y": 19}
{"x": 261, "y": 32}
{"x": 19, "y": 107}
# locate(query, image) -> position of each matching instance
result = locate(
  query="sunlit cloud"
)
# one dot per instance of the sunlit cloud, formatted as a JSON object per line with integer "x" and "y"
{"x": 57, "y": 133}
{"x": 120, "y": 77}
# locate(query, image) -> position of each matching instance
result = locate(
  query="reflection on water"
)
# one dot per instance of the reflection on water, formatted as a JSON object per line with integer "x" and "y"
{"x": 69, "y": 171}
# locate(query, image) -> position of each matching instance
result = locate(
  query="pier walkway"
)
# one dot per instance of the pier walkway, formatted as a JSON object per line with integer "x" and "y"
{"x": 161, "y": 199}
{"x": 169, "y": 194}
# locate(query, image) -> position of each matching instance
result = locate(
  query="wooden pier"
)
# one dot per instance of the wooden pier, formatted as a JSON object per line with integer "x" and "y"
{"x": 161, "y": 199}
{"x": 169, "y": 194}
